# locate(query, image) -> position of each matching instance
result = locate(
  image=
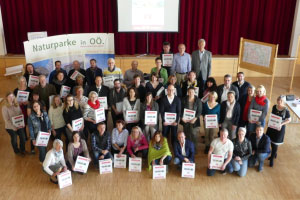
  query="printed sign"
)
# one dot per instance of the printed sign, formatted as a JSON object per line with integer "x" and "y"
{"x": 150, "y": 117}
{"x": 22, "y": 96}
{"x": 120, "y": 162}
{"x": 18, "y": 121}
{"x": 275, "y": 122}
{"x": 211, "y": 121}
{"x": 135, "y": 164}
{"x": 105, "y": 166}
{"x": 103, "y": 102}
{"x": 64, "y": 179}
{"x": 64, "y": 91}
{"x": 77, "y": 124}
{"x": 216, "y": 161}
{"x": 100, "y": 115}
{"x": 75, "y": 74}
{"x": 33, "y": 81}
{"x": 188, "y": 114}
{"x": 108, "y": 81}
{"x": 170, "y": 117}
{"x": 159, "y": 171}
{"x": 188, "y": 170}
{"x": 82, "y": 164}
{"x": 167, "y": 60}
{"x": 42, "y": 139}
{"x": 132, "y": 116}
{"x": 255, "y": 115}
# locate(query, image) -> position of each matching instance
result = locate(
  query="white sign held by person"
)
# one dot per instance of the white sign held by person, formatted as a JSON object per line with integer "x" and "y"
{"x": 103, "y": 102}
{"x": 33, "y": 81}
{"x": 82, "y": 164}
{"x": 75, "y": 74}
{"x": 18, "y": 121}
{"x": 158, "y": 93}
{"x": 135, "y": 164}
{"x": 255, "y": 115}
{"x": 120, "y": 162}
{"x": 105, "y": 166}
{"x": 211, "y": 121}
{"x": 170, "y": 118}
{"x": 77, "y": 124}
{"x": 22, "y": 96}
{"x": 64, "y": 91}
{"x": 167, "y": 60}
{"x": 159, "y": 171}
{"x": 150, "y": 117}
{"x": 188, "y": 114}
{"x": 42, "y": 139}
{"x": 100, "y": 115}
{"x": 188, "y": 170}
{"x": 132, "y": 116}
{"x": 64, "y": 179}
{"x": 216, "y": 161}
{"x": 275, "y": 122}
{"x": 108, "y": 81}
{"x": 205, "y": 98}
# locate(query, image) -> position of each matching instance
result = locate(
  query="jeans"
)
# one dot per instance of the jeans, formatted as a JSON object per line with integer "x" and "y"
{"x": 228, "y": 168}
{"x": 167, "y": 160}
{"x": 14, "y": 141}
{"x": 209, "y": 135}
{"x": 260, "y": 157}
{"x": 241, "y": 169}
{"x": 173, "y": 129}
{"x": 42, "y": 153}
{"x": 144, "y": 153}
{"x": 97, "y": 154}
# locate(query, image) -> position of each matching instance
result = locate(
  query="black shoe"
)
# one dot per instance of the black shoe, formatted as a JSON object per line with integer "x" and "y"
{"x": 53, "y": 181}
{"x": 271, "y": 162}
{"x": 22, "y": 154}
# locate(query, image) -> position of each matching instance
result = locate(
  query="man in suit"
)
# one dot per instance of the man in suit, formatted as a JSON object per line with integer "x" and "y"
{"x": 76, "y": 67}
{"x": 184, "y": 150}
{"x": 242, "y": 85}
{"x": 92, "y": 73}
{"x": 260, "y": 143}
{"x": 201, "y": 62}
{"x": 170, "y": 104}
{"x": 223, "y": 89}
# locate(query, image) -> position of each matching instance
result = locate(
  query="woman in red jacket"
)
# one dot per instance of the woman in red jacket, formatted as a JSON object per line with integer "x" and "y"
{"x": 137, "y": 143}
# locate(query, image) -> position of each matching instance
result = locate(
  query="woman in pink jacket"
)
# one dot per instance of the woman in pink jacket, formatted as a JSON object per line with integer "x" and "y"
{"x": 137, "y": 143}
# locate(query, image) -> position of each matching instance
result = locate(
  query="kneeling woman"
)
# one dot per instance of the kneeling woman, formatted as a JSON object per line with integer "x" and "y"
{"x": 137, "y": 143}
{"x": 54, "y": 162}
{"x": 159, "y": 152}
{"x": 76, "y": 148}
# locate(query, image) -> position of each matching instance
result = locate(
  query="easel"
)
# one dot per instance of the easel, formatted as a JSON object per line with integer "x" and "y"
{"x": 295, "y": 63}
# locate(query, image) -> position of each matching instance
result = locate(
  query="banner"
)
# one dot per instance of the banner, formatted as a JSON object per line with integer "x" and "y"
{"x": 82, "y": 47}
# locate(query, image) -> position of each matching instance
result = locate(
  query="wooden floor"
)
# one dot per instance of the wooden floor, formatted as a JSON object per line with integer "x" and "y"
{"x": 22, "y": 178}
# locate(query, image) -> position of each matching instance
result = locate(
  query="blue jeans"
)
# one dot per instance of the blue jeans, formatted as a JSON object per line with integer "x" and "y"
{"x": 260, "y": 157}
{"x": 97, "y": 154}
{"x": 14, "y": 141}
{"x": 42, "y": 153}
{"x": 240, "y": 169}
{"x": 167, "y": 160}
{"x": 228, "y": 168}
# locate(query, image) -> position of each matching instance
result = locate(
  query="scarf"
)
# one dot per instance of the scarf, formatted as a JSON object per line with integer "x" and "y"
{"x": 157, "y": 154}
{"x": 260, "y": 100}
{"x": 94, "y": 106}
{"x": 229, "y": 109}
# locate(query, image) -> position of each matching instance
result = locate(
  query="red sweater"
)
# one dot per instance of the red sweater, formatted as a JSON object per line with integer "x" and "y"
{"x": 132, "y": 144}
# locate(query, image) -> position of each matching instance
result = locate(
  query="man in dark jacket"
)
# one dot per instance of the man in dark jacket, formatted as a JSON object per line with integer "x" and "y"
{"x": 223, "y": 89}
{"x": 184, "y": 150}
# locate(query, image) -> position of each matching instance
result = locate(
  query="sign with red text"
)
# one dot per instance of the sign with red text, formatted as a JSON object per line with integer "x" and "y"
{"x": 255, "y": 115}
{"x": 150, "y": 117}
{"x": 188, "y": 114}
{"x": 22, "y": 96}
{"x": 82, "y": 164}
{"x": 159, "y": 171}
{"x": 170, "y": 118}
{"x": 103, "y": 102}
{"x": 132, "y": 116}
{"x": 42, "y": 139}
{"x": 64, "y": 91}
{"x": 167, "y": 60}
{"x": 275, "y": 122}
{"x": 211, "y": 121}
{"x": 135, "y": 164}
{"x": 100, "y": 115}
{"x": 105, "y": 166}
{"x": 120, "y": 161}
{"x": 18, "y": 121}
{"x": 216, "y": 161}
{"x": 77, "y": 124}
{"x": 33, "y": 81}
{"x": 188, "y": 170}
{"x": 64, "y": 179}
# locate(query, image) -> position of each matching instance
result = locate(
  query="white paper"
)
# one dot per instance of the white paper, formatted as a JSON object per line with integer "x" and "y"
{"x": 75, "y": 74}
{"x": 135, "y": 164}
{"x": 159, "y": 172}
{"x": 120, "y": 162}
{"x": 22, "y": 96}
{"x": 188, "y": 170}
{"x": 36, "y": 35}
{"x": 188, "y": 114}
{"x": 82, "y": 164}
{"x": 108, "y": 81}
{"x": 211, "y": 121}
{"x": 255, "y": 115}
{"x": 216, "y": 161}
{"x": 64, "y": 91}
{"x": 18, "y": 121}
{"x": 132, "y": 116}
{"x": 64, "y": 179}
{"x": 275, "y": 121}
{"x": 119, "y": 106}
{"x": 100, "y": 115}
{"x": 105, "y": 166}
{"x": 150, "y": 117}
{"x": 33, "y": 81}
{"x": 42, "y": 139}
{"x": 167, "y": 60}
{"x": 170, "y": 117}
{"x": 77, "y": 124}
{"x": 205, "y": 98}
{"x": 103, "y": 102}
{"x": 160, "y": 91}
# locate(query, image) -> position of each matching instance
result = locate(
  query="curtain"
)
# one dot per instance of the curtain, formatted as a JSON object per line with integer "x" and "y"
{"x": 220, "y": 22}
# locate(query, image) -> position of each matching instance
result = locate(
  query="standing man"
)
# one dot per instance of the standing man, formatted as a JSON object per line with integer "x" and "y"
{"x": 92, "y": 73}
{"x": 201, "y": 62}
{"x": 166, "y": 50}
{"x": 181, "y": 64}
{"x": 130, "y": 73}
{"x": 223, "y": 89}
{"x": 116, "y": 96}
{"x": 57, "y": 69}
{"x": 241, "y": 85}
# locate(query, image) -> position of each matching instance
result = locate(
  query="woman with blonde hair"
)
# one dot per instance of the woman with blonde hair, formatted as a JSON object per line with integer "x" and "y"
{"x": 56, "y": 117}
{"x": 137, "y": 143}
{"x": 11, "y": 109}
{"x": 172, "y": 80}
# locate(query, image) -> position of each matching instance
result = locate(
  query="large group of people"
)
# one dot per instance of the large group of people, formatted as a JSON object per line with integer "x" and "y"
{"x": 181, "y": 93}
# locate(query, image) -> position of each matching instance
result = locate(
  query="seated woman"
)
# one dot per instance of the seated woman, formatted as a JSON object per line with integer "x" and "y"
{"x": 159, "y": 152}
{"x": 137, "y": 143}
{"x": 131, "y": 103}
{"x": 277, "y": 136}
{"x": 149, "y": 105}
{"x": 119, "y": 138}
{"x": 11, "y": 109}
{"x": 59, "y": 80}
{"x": 79, "y": 98}
{"x": 172, "y": 80}
{"x": 54, "y": 162}
{"x": 89, "y": 113}
{"x": 190, "y": 82}
{"x": 242, "y": 150}
{"x": 230, "y": 114}
{"x": 76, "y": 148}
{"x": 154, "y": 86}
{"x": 38, "y": 121}
{"x": 56, "y": 117}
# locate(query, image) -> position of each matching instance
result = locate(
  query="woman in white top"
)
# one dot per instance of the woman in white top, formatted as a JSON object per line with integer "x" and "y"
{"x": 131, "y": 103}
{"x": 81, "y": 100}
{"x": 56, "y": 117}
{"x": 54, "y": 162}
{"x": 119, "y": 138}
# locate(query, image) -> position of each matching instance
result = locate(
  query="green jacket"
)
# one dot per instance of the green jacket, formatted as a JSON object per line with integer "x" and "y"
{"x": 163, "y": 74}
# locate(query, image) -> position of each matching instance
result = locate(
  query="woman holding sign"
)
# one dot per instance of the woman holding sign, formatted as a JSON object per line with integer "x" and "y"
{"x": 137, "y": 143}
{"x": 56, "y": 117}
{"x": 159, "y": 152}
{"x": 211, "y": 113}
{"x": 131, "y": 109}
{"x": 276, "y": 134}
{"x": 154, "y": 86}
{"x": 258, "y": 109}
{"x": 38, "y": 123}
{"x": 210, "y": 85}
{"x": 191, "y": 111}
{"x": 10, "y": 111}
{"x": 245, "y": 102}
{"x": 149, "y": 116}
{"x": 119, "y": 138}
